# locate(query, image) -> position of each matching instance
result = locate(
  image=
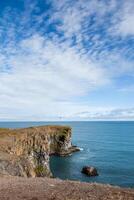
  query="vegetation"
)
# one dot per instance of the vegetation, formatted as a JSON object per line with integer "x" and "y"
{"x": 40, "y": 171}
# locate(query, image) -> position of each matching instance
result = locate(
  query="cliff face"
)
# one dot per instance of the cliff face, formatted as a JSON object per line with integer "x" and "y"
{"x": 25, "y": 152}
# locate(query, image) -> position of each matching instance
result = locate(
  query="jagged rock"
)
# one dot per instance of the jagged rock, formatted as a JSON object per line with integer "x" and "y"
{"x": 25, "y": 152}
{"x": 90, "y": 171}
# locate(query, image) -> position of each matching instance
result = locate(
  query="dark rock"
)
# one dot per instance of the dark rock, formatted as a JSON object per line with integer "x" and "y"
{"x": 90, "y": 171}
{"x": 69, "y": 151}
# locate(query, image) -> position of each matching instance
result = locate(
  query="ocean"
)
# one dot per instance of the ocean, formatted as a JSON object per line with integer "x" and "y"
{"x": 108, "y": 146}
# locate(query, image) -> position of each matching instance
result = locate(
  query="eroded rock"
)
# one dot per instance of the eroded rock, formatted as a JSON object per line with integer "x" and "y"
{"x": 89, "y": 171}
{"x": 25, "y": 152}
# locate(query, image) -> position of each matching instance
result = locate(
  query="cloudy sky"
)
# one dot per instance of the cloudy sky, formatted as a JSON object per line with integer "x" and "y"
{"x": 66, "y": 60}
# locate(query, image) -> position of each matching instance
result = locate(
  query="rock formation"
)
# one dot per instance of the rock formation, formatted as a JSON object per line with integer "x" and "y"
{"x": 89, "y": 171}
{"x": 25, "y": 152}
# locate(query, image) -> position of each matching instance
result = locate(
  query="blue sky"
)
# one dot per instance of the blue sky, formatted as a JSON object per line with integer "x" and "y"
{"x": 67, "y": 60}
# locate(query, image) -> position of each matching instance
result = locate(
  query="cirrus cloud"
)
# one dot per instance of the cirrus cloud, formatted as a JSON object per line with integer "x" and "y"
{"x": 52, "y": 57}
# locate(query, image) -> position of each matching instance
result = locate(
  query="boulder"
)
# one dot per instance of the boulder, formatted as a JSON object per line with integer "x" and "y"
{"x": 90, "y": 171}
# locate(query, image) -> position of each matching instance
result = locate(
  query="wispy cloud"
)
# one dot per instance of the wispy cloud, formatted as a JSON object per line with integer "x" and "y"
{"x": 54, "y": 53}
{"x": 125, "y": 19}
{"x": 105, "y": 114}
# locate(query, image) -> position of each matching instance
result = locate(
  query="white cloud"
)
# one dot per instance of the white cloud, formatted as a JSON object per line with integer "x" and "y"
{"x": 105, "y": 114}
{"x": 126, "y": 26}
{"x": 76, "y": 16}
{"x": 124, "y": 20}
{"x": 42, "y": 74}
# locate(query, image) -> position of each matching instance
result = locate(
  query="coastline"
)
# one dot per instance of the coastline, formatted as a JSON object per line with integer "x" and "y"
{"x": 26, "y": 152}
{"x": 13, "y": 187}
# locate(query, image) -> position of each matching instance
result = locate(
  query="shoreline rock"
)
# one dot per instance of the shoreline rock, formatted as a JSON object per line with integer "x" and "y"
{"x": 70, "y": 150}
{"x": 89, "y": 171}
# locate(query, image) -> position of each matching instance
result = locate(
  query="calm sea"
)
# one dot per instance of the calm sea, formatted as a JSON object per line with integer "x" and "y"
{"x": 109, "y": 146}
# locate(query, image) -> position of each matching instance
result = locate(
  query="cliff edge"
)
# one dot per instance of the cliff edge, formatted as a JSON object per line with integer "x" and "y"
{"x": 25, "y": 152}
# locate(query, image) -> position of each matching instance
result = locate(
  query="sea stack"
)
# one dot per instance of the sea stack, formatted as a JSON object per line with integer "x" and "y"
{"x": 89, "y": 171}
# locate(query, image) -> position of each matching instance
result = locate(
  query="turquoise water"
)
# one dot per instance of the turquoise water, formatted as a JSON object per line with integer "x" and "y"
{"x": 109, "y": 146}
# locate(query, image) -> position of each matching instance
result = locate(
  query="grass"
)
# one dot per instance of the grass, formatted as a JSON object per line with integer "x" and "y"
{"x": 41, "y": 171}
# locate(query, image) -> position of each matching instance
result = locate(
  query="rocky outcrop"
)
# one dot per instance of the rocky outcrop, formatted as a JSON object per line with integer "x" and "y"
{"x": 89, "y": 171}
{"x": 25, "y": 152}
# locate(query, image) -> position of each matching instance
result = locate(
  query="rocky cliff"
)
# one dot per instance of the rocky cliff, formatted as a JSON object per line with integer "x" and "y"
{"x": 25, "y": 152}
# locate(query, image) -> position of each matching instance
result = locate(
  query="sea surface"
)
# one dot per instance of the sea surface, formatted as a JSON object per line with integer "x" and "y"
{"x": 109, "y": 146}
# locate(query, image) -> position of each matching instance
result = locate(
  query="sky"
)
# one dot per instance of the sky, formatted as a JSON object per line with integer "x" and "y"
{"x": 66, "y": 60}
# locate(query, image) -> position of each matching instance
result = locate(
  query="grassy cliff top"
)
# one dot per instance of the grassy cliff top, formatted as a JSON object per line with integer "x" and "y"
{"x": 8, "y": 136}
{"x": 57, "y": 129}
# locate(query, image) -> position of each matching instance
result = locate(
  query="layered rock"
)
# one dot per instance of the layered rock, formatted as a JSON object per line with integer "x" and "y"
{"x": 25, "y": 152}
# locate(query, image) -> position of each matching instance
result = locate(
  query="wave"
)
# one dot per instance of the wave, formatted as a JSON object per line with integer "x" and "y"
{"x": 81, "y": 149}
